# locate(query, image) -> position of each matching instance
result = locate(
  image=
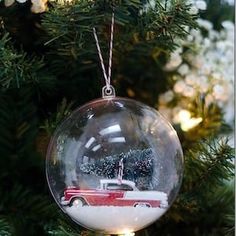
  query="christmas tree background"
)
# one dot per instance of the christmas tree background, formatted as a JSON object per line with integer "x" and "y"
{"x": 49, "y": 66}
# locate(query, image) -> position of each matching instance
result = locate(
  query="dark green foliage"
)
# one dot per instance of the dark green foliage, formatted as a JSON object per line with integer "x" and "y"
{"x": 208, "y": 165}
{"x": 49, "y": 59}
{"x": 25, "y": 203}
{"x": 18, "y": 69}
{"x": 144, "y": 39}
{"x": 218, "y": 11}
{"x": 62, "y": 228}
{"x": 62, "y": 111}
{"x": 5, "y": 227}
{"x": 205, "y": 205}
{"x": 18, "y": 130}
{"x": 23, "y": 206}
{"x": 19, "y": 162}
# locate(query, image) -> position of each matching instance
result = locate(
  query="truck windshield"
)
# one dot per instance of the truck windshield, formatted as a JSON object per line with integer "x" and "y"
{"x": 123, "y": 187}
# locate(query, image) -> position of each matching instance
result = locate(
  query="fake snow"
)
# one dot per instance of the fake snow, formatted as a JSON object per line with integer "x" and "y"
{"x": 114, "y": 220}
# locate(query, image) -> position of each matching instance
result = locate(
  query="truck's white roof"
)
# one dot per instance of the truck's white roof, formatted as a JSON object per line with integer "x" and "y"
{"x": 116, "y": 181}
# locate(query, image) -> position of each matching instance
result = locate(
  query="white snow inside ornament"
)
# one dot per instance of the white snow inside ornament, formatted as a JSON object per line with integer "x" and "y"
{"x": 114, "y": 165}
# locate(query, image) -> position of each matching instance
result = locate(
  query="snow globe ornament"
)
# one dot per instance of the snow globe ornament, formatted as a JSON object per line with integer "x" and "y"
{"x": 114, "y": 165}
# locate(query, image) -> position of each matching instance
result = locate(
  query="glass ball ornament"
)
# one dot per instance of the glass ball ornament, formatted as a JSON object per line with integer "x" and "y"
{"x": 114, "y": 165}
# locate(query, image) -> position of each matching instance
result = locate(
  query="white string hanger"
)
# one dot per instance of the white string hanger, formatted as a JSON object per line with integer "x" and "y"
{"x": 108, "y": 90}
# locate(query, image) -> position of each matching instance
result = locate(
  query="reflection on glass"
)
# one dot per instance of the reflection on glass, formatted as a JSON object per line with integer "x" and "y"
{"x": 110, "y": 129}
{"x": 96, "y": 147}
{"x": 88, "y": 144}
{"x": 116, "y": 140}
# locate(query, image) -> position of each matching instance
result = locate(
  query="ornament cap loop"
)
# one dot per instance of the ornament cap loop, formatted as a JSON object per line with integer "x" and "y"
{"x": 108, "y": 91}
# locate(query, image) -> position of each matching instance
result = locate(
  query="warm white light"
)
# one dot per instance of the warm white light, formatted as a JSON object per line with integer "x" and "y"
{"x": 184, "y": 115}
{"x": 191, "y": 123}
{"x": 185, "y": 120}
{"x": 127, "y": 234}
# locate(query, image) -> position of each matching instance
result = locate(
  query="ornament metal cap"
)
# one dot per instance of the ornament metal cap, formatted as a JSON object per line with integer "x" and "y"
{"x": 108, "y": 92}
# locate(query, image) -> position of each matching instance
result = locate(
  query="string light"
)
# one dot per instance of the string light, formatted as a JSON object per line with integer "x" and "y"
{"x": 127, "y": 234}
{"x": 186, "y": 121}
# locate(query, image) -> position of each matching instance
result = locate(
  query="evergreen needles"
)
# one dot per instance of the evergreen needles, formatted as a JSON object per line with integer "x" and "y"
{"x": 49, "y": 60}
{"x": 16, "y": 68}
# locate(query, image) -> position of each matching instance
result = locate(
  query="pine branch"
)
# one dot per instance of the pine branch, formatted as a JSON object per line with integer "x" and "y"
{"x": 204, "y": 192}
{"x": 22, "y": 206}
{"x": 141, "y": 37}
{"x": 63, "y": 110}
{"x": 203, "y": 199}
{"x": 222, "y": 198}
{"x": 25, "y": 199}
{"x": 70, "y": 29}
{"x": 38, "y": 205}
{"x": 170, "y": 21}
{"x": 5, "y": 227}
{"x": 63, "y": 228}
{"x": 77, "y": 19}
{"x": 18, "y": 125}
{"x": 18, "y": 69}
{"x": 208, "y": 165}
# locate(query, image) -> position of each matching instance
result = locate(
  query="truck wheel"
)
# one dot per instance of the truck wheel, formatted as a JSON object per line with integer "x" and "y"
{"x": 142, "y": 205}
{"x": 77, "y": 202}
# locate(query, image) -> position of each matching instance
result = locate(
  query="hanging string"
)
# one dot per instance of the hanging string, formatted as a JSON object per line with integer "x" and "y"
{"x": 111, "y": 47}
{"x": 108, "y": 89}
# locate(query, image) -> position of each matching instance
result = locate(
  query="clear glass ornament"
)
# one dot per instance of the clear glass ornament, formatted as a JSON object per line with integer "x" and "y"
{"x": 114, "y": 165}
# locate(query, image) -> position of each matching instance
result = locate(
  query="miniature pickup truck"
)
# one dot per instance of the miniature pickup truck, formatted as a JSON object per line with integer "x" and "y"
{"x": 113, "y": 192}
